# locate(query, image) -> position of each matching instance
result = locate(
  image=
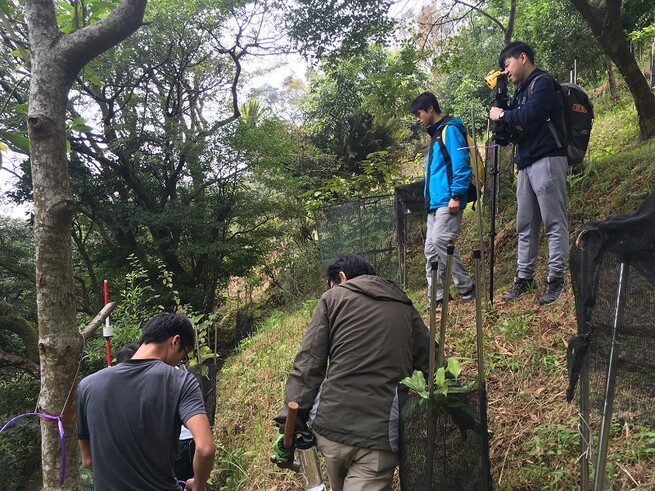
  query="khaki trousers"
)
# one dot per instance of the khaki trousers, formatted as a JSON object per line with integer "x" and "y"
{"x": 355, "y": 468}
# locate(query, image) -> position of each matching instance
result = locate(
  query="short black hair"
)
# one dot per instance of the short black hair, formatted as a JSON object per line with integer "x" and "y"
{"x": 351, "y": 265}
{"x": 425, "y": 101}
{"x": 164, "y": 326}
{"x": 514, "y": 50}
{"x": 126, "y": 352}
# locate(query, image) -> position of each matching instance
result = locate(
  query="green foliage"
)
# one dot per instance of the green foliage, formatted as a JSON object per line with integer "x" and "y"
{"x": 338, "y": 27}
{"x": 204, "y": 197}
{"x": 20, "y": 446}
{"x": 641, "y": 35}
{"x": 17, "y": 249}
{"x": 559, "y": 35}
{"x": 255, "y": 380}
{"x": 358, "y": 112}
{"x": 203, "y": 325}
{"x": 137, "y": 303}
{"x": 446, "y": 379}
{"x": 637, "y": 15}
{"x": 18, "y": 392}
{"x": 551, "y": 443}
{"x": 75, "y": 15}
{"x": 645, "y": 444}
{"x": 232, "y": 467}
{"x": 17, "y": 139}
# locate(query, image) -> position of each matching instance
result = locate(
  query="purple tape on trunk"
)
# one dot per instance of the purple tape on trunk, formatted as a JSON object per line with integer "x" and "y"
{"x": 62, "y": 437}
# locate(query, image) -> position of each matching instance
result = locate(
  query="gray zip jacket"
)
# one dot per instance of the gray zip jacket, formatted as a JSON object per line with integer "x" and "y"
{"x": 365, "y": 336}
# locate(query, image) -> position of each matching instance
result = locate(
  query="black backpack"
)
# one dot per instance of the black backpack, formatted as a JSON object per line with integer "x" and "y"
{"x": 577, "y": 120}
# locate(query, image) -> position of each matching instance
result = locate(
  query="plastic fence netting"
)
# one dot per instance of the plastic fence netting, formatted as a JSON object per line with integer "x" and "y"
{"x": 613, "y": 277}
{"x": 459, "y": 454}
{"x": 366, "y": 227}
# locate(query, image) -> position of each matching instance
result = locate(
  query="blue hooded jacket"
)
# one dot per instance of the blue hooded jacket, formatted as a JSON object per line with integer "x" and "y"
{"x": 438, "y": 190}
{"x": 531, "y": 110}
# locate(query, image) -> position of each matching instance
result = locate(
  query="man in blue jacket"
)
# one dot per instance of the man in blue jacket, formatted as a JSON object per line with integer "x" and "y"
{"x": 542, "y": 168}
{"x": 447, "y": 180}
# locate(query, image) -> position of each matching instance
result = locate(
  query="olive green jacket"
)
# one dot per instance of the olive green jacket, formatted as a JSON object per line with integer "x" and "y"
{"x": 365, "y": 336}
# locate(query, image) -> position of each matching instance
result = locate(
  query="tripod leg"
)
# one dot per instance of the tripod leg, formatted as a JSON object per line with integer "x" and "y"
{"x": 492, "y": 229}
{"x": 480, "y": 282}
{"x": 482, "y": 389}
{"x": 429, "y": 458}
{"x": 608, "y": 404}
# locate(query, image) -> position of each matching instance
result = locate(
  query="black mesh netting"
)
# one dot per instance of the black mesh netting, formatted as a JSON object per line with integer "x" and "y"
{"x": 410, "y": 215}
{"x": 595, "y": 270}
{"x": 460, "y": 453}
{"x": 611, "y": 359}
{"x": 366, "y": 226}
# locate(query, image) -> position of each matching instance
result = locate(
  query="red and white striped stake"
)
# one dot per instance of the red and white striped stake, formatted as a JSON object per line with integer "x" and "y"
{"x": 107, "y": 331}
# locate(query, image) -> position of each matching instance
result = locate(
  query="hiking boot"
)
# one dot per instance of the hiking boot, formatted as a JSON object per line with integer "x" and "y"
{"x": 520, "y": 287}
{"x": 468, "y": 296}
{"x": 554, "y": 288}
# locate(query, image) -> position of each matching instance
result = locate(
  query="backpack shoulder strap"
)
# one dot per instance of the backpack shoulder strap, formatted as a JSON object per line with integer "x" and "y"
{"x": 446, "y": 155}
{"x": 441, "y": 140}
{"x": 558, "y": 88}
{"x": 545, "y": 74}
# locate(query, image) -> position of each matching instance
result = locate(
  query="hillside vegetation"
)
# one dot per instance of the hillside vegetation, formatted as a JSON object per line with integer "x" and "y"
{"x": 536, "y": 442}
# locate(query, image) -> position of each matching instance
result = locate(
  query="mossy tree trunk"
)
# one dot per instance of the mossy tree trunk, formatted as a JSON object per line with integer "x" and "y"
{"x": 55, "y": 60}
{"x": 605, "y": 23}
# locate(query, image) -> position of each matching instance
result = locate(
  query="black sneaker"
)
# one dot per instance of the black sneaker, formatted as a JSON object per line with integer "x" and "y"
{"x": 554, "y": 288}
{"x": 520, "y": 287}
{"x": 469, "y": 295}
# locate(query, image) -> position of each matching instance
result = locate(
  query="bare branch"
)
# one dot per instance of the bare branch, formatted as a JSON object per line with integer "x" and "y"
{"x": 16, "y": 269}
{"x": 19, "y": 362}
{"x": 13, "y": 37}
{"x": 448, "y": 18}
{"x": 98, "y": 320}
{"x": 477, "y": 8}
{"x": 81, "y": 46}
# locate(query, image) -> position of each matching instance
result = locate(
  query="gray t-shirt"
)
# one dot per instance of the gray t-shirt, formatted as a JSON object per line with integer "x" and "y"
{"x": 132, "y": 413}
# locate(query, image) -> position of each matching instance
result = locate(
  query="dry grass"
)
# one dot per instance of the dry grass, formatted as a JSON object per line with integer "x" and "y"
{"x": 535, "y": 443}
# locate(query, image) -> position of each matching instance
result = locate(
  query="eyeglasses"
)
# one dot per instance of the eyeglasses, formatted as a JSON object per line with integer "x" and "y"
{"x": 186, "y": 356}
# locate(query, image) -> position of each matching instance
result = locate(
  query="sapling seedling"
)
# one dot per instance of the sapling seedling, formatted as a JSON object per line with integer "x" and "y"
{"x": 446, "y": 379}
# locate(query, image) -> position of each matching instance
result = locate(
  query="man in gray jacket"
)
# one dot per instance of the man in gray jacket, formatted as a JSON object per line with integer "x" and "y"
{"x": 365, "y": 336}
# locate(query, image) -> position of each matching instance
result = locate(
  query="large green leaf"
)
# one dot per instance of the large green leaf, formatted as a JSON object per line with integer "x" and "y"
{"x": 18, "y": 140}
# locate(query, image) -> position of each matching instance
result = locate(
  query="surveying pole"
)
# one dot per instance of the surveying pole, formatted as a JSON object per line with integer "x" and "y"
{"x": 107, "y": 330}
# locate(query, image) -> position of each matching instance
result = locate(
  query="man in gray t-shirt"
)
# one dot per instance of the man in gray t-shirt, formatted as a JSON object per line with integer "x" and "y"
{"x": 129, "y": 415}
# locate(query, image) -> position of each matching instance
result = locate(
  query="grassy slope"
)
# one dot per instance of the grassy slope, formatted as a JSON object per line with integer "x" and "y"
{"x": 536, "y": 442}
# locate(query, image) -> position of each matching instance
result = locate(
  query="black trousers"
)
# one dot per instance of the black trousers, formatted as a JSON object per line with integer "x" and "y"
{"x": 184, "y": 459}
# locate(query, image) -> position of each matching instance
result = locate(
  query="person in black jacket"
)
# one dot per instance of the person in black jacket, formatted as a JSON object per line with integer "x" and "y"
{"x": 542, "y": 168}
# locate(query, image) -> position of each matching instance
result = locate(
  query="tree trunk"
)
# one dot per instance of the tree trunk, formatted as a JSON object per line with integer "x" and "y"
{"x": 60, "y": 343}
{"x": 614, "y": 91}
{"x": 55, "y": 61}
{"x": 605, "y": 23}
{"x": 509, "y": 30}
{"x": 652, "y": 65}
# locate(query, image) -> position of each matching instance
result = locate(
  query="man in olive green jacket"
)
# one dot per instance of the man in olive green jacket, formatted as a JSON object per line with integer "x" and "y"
{"x": 364, "y": 338}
